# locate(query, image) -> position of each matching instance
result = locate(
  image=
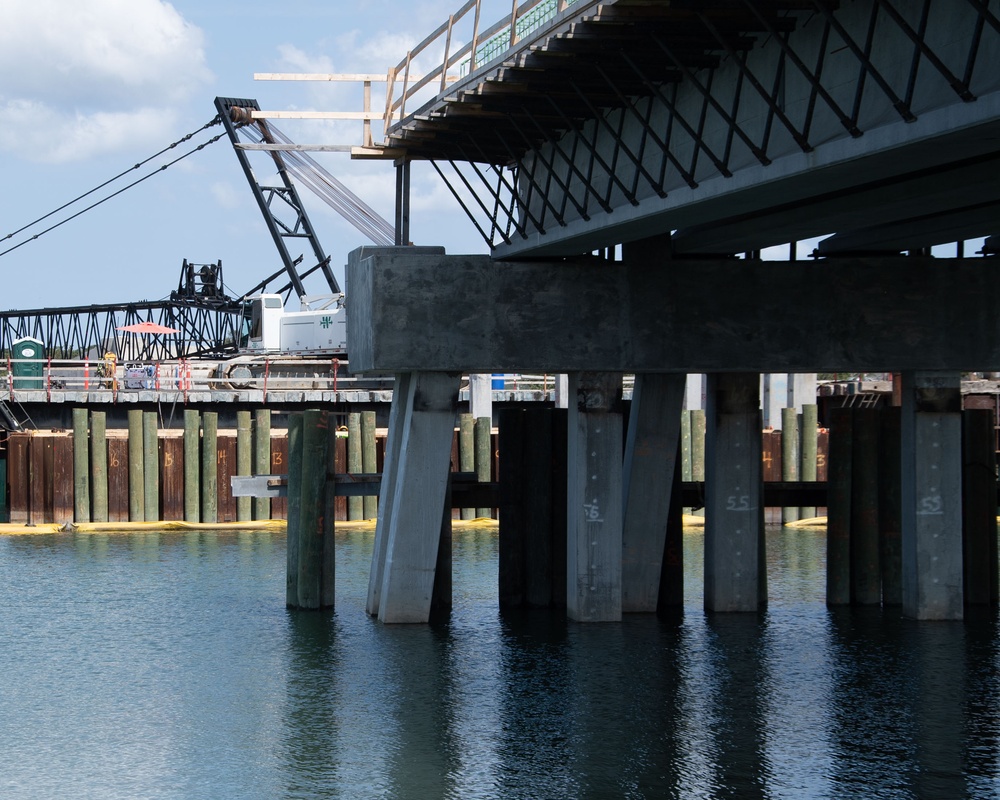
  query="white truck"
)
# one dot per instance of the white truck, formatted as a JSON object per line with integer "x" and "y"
{"x": 291, "y": 349}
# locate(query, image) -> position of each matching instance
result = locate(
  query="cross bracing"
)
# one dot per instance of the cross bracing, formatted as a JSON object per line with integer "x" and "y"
{"x": 91, "y": 331}
{"x": 635, "y": 118}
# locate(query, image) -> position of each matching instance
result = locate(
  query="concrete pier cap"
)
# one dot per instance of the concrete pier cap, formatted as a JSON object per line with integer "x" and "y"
{"x": 418, "y": 309}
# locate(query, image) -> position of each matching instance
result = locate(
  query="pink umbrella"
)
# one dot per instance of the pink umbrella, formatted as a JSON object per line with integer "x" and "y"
{"x": 147, "y": 327}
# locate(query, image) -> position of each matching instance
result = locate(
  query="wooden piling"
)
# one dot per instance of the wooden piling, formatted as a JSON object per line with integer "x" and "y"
{"x": 483, "y": 430}
{"x": 686, "y": 446}
{"x": 340, "y": 467}
{"x": 838, "y": 528}
{"x": 81, "y": 466}
{"x": 39, "y": 479}
{"x": 329, "y": 505}
{"x": 532, "y": 477}
{"x": 99, "y": 465}
{"x": 807, "y": 447}
{"x": 890, "y": 510}
{"x": 513, "y": 513}
{"x": 4, "y": 515}
{"x": 60, "y": 476}
{"x": 355, "y": 505}
{"x": 312, "y": 522}
{"x": 698, "y": 444}
{"x": 226, "y": 468}
{"x": 209, "y": 467}
{"x": 192, "y": 466}
{"x": 119, "y": 496}
{"x": 537, "y": 468}
{"x": 369, "y": 461}
{"x": 244, "y": 462}
{"x": 262, "y": 458}
{"x": 979, "y": 506}
{"x": 172, "y": 477}
{"x": 150, "y": 467}
{"x": 866, "y": 584}
{"x": 294, "y": 505}
{"x": 136, "y": 494}
{"x": 789, "y": 456}
{"x": 18, "y": 477}
{"x": 466, "y": 453}
{"x": 279, "y": 466}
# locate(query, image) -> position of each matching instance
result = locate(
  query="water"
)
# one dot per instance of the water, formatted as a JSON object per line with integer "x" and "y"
{"x": 166, "y": 666}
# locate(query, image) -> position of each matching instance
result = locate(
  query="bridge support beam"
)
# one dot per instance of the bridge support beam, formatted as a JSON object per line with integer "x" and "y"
{"x": 650, "y": 461}
{"x": 735, "y": 577}
{"x": 414, "y": 489}
{"x": 932, "y": 495}
{"x": 594, "y": 498}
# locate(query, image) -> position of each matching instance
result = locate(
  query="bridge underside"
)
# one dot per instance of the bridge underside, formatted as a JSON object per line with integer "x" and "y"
{"x": 734, "y": 125}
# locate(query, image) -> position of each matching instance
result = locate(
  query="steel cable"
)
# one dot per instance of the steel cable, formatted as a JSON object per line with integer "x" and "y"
{"x": 110, "y": 181}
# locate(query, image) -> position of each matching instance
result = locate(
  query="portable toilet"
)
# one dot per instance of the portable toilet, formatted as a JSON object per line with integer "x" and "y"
{"x": 28, "y": 363}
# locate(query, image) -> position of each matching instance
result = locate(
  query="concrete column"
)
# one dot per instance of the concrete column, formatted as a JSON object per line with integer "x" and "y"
{"x": 735, "y": 579}
{"x": 774, "y": 389}
{"x": 931, "y": 468}
{"x": 561, "y": 390}
{"x": 387, "y": 489}
{"x": 594, "y": 499}
{"x": 694, "y": 392}
{"x": 647, "y": 480}
{"x": 421, "y": 468}
{"x": 481, "y": 396}
{"x": 801, "y": 390}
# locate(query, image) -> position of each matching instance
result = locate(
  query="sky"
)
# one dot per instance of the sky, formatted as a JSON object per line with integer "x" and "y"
{"x": 92, "y": 88}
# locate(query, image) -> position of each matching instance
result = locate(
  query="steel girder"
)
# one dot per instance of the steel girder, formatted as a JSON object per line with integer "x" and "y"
{"x": 640, "y": 100}
{"x": 90, "y": 331}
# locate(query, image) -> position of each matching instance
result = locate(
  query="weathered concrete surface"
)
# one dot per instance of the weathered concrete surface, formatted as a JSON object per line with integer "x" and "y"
{"x": 650, "y": 460}
{"x": 594, "y": 499}
{"x": 471, "y": 314}
{"x": 735, "y": 579}
{"x": 932, "y": 496}
{"x": 418, "y": 478}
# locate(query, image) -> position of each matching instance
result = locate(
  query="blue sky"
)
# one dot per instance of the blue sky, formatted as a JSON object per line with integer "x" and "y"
{"x": 91, "y": 88}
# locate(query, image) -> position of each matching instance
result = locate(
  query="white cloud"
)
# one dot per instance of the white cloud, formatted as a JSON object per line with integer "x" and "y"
{"x": 82, "y": 78}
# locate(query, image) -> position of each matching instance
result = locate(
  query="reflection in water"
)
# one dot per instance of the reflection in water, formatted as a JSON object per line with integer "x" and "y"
{"x": 167, "y": 666}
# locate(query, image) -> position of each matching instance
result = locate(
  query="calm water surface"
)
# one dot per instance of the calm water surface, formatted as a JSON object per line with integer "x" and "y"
{"x": 166, "y": 666}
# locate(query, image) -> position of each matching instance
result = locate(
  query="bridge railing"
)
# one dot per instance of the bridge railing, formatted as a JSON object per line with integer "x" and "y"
{"x": 59, "y": 377}
{"x": 481, "y": 47}
{"x": 63, "y": 376}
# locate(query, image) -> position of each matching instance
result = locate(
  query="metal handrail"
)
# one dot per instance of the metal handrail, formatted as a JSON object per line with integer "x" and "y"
{"x": 54, "y": 376}
{"x": 468, "y": 56}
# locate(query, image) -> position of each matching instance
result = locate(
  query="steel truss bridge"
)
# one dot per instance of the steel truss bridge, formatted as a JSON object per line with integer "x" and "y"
{"x": 90, "y": 331}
